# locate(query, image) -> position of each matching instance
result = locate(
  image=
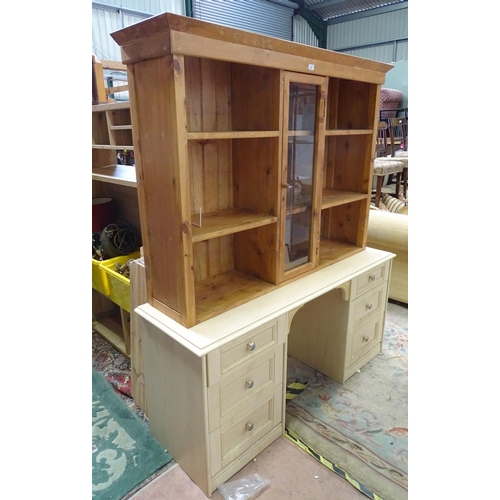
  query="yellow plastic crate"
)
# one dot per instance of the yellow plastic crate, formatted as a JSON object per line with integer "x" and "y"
{"x": 119, "y": 285}
{"x": 99, "y": 278}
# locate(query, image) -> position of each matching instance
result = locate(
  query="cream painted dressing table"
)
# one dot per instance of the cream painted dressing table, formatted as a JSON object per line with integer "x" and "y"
{"x": 216, "y": 391}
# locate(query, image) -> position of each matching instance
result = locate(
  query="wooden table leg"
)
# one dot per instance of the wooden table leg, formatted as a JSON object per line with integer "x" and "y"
{"x": 378, "y": 192}
{"x": 405, "y": 181}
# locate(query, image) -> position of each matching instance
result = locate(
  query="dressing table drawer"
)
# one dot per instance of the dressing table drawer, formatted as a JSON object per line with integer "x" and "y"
{"x": 245, "y": 386}
{"x": 364, "y": 339}
{"x": 237, "y": 352}
{"x": 369, "y": 280}
{"x": 240, "y": 432}
{"x": 369, "y": 305}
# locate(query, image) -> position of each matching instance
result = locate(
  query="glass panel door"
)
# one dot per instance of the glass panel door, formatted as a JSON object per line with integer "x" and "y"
{"x": 302, "y": 120}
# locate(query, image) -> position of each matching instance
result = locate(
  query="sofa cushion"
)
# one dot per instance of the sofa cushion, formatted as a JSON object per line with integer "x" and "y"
{"x": 394, "y": 205}
{"x": 389, "y": 232}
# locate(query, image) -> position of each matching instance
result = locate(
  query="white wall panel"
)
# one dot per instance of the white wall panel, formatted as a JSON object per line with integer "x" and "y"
{"x": 106, "y": 19}
{"x": 153, "y": 6}
{"x": 381, "y": 53}
{"x": 402, "y": 51}
{"x": 258, "y": 16}
{"x": 373, "y": 29}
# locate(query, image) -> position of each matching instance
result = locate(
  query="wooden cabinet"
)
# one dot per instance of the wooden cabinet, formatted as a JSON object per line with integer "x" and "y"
{"x": 227, "y": 126}
{"x": 229, "y": 403}
{"x": 340, "y": 331}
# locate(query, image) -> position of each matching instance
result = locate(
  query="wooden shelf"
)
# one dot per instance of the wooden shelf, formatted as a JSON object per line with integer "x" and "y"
{"x": 111, "y": 106}
{"x": 112, "y": 146}
{"x": 120, "y": 127}
{"x": 229, "y": 221}
{"x": 225, "y": 291}
{"x": 349, "y": 132}
{"x": 299, "y": 208}
{"x": 331, "y": 251}
{"x": 300, "y": 133}
{"x": 123, "y": 175}
{"x": 334, "y": 198}
{"x": 203, "y": 136}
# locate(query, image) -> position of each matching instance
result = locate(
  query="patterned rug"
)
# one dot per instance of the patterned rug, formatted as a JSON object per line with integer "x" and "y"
{"x": 361, "y": 427}
{"x": 115, "y": 368}
{"x": 124, "y": 453}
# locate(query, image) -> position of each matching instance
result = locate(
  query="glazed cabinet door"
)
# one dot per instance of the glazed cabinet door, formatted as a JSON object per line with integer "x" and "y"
{"x": 303, "y": 155}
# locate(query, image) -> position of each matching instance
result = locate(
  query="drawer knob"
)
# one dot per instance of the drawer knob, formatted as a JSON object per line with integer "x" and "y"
{"x": 371, "y": 277}
{"x": 366, "y": 339}
{"x": 249, "y": 383}
{"x": 251, "y": 346}
{"x": 249, "y": 426}
{"x": 369, "y": 306}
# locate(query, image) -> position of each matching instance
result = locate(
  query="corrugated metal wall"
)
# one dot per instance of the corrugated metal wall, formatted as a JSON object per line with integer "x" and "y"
{"x": 259, "y": 16}
{"x": 302, "y": 33}
{"x": 112, "y": 15}
{"x": 382, "y": 37}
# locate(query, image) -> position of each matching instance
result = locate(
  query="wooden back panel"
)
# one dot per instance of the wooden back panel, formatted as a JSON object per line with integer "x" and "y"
{"x": 255, "y": 97}
{"x": 208, "y": 95}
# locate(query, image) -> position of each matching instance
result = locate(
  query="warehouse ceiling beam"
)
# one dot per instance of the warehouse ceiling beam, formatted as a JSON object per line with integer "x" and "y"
{"x": 318, "y": 26}
{"x": 326, "y": 3}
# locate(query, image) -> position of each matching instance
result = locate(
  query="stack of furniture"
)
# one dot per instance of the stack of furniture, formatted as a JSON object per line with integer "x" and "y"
{"x": 111, "y": 133}
{"x": 104, "y": 89}
{"x": 254, "y": 161}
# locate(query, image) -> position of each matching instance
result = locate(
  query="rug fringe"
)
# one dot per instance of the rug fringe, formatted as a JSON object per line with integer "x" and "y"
{"x": 330, "y": 465}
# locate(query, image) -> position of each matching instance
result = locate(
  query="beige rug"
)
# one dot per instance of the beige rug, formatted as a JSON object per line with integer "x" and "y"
{"x": 361, "y": 427}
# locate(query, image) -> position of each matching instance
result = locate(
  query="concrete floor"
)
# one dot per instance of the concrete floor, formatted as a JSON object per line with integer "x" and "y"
{"x": 291, "y": 471}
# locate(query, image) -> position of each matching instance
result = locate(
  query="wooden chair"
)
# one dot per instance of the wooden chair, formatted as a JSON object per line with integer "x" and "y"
{"x": 386, "y": 166}
{"x": 398, "y": 133}
{"x": 383, "y": 165}
{"x": 381, "y": 148}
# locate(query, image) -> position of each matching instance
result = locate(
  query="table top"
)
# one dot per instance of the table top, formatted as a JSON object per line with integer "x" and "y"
{"x": 211, "y": 334}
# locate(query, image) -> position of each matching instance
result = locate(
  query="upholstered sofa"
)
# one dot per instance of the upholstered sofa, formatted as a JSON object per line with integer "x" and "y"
{"x": 389, "y": 231}
{"x": 390, "y": 99}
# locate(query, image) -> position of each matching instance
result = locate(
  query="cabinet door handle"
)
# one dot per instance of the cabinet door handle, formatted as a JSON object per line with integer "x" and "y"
{"x": 366, "y": 339}
{"x": 371, "y": 277}
{"x": 369, "y": 306}
{"x": 249, "y": 383}
{"x": 249, "y": 426}
{"x": 251, "y": 346}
